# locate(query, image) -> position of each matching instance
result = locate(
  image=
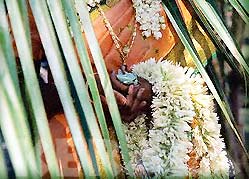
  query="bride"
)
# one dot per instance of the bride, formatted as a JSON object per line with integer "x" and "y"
{"x": 171, "y": 127}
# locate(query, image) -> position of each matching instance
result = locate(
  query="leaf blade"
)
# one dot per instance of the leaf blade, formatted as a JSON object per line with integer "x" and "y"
{"x": 178, "y": 24}
{"x": 7, "y": 123}
{"x": 3, "y": 169}
{"x": 48, "y": 38}
{"x": 19, "y": 17}
{"x": 240, "y": 9}
{"x": 216, "y": 22}
{"x": 105, "y": 81}
{"x": 89, "y": 74}
{"x": 6, "y": 45}
{"x": 79, "y": 82}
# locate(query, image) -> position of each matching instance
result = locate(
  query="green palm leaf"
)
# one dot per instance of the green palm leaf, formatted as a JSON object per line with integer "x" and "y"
{"x": 105, "y": 80}
{"x": 174, "y": 15}
{"x": 89, "y": 74}
{"x": 77, "y": 77}
{"x": 8, "y": 111}
{"x": 18, "y": 16}
{"x": 25, "y": 57}
{"x": 217, "y": 24}
{"x": 245, "y": 5}
{"x": 47, "y": 34}
{"x": 217, "y": 40}
{"x": 3, "y": 169}
{"x": 242, "y": 7}
{"x": 5, "y": 42}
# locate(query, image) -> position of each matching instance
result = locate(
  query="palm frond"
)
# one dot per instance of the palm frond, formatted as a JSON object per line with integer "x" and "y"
{"x": 25, "y": 56}
{"x": 59, "y": 20}
{"x": 3, "y": 169}
{"x": 89, "y": 74}
{"x": 242, "y": 7}
{"x": 217, "y": 40}
{"x": 6, "y": 45}
{"x": 19, "y": 18}
{"x": 48, "y": 38}
{"x": 11, "y": 109}
{"x": 245, "y": 5}
{"x": 105, "y": 80}
{"x": 174, "y": 15}
{"x": 213, "y": 18}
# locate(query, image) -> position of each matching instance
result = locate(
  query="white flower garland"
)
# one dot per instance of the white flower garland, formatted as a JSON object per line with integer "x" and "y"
{"x": 208, "y": 144}
{"x": 138, "y": 141}
{"x": 147, "y": 15}
{"x": 149, "y": 18}
{"x": 92, "y": 3}
{"x": 180, "y": 97}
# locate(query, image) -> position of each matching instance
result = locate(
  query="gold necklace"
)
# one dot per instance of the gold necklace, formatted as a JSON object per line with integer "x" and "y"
{"x": 124, "y": 50}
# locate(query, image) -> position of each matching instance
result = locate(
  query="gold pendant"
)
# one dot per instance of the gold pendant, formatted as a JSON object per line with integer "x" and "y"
{"x": 126, "y": 49}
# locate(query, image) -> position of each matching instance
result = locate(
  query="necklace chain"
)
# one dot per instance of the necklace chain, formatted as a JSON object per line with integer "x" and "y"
{"x": 123, "y": 50}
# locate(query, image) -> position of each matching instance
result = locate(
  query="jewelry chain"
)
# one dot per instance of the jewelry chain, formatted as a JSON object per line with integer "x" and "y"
{"x": 123, "y": 50}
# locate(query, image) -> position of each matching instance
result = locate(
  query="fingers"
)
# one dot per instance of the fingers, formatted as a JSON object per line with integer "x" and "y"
{"x": 137, "y": 100}
{"x": 134, "y": 99}
{"x": 117, "y": 85}
{"x": 130, "y": 117}
{"x": 140, "y": 93}
{"x": 140, "y": 171}
{"x": 131, "y": 96}
{"x": 141, "y": 105}
{"x": 121, "y": 100}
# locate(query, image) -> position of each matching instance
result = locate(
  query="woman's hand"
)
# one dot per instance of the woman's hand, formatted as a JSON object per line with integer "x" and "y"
{"x": 136, "y": 103}
{"x": 132, "y": 100}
